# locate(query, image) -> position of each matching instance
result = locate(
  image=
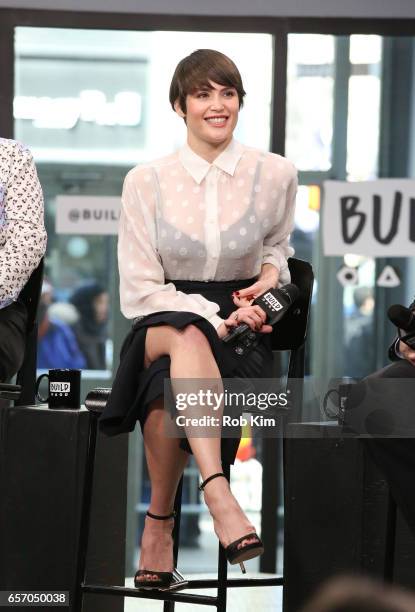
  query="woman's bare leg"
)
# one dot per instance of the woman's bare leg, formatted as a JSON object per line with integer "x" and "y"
{"x": 229, "y": 520}
{"x": 166, "y": 462}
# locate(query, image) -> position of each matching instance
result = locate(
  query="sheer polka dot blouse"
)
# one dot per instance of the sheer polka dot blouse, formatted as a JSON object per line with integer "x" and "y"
{"x": 22, "y": 231}
{"x": 183, "y": 218}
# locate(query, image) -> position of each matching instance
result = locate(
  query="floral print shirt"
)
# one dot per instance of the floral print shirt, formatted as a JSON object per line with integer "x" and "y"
{"x": 22, "y": 230}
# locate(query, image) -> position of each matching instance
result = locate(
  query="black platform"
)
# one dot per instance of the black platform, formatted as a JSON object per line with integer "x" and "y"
{"x": 42, "y": 472}
{"x": 336, "y": 513}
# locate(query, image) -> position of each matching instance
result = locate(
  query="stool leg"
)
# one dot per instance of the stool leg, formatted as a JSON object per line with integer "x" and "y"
{"x": 223, "y": 563}
{"x": 169, "y": 605}
{"x": 389, "y": 562}
{"x": 86, "y": 513}
{"x": 222, "y": 578}
{"x": 177, "y": 518}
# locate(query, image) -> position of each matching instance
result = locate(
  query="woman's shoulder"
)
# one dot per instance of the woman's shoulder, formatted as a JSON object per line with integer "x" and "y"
{"x": 145, "y": 171}
{"x": 273, "y": 162}
{"x": 279, "y": 164}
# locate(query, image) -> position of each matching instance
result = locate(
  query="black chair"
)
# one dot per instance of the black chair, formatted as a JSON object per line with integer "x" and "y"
{"x": 288, "y": 335}
{"x": 23, "y": 392}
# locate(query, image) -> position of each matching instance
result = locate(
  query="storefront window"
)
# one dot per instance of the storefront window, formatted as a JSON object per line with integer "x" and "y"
{"x": 91, "y": 105}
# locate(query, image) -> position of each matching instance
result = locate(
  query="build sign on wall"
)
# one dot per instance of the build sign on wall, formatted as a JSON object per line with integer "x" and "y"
{"x": 87, "y": 215}
{"x": 371, "y": 218}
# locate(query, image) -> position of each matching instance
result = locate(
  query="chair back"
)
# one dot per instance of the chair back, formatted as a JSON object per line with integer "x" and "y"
{"x": 290, "y": 332}
{"x": 30, "y": 295}
{"x": 26, "y": 376}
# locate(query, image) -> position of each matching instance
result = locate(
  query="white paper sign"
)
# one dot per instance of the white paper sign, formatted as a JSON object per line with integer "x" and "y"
{"x": 87, "y": 215}
{"x": 372, "y": 218}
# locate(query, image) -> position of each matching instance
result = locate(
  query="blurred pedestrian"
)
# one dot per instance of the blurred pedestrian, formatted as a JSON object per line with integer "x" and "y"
{"x": 92, "y": 303}
{"x": 57, "y": 344}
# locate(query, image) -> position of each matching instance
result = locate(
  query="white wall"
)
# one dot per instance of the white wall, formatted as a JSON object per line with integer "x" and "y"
{"x": 293, "y": 8}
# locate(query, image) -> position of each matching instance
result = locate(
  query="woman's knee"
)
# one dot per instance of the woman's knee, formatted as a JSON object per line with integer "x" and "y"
{"x": 191, "y": 334}
{"x": 165, "y": 339}
{"x": 159, "y": 342}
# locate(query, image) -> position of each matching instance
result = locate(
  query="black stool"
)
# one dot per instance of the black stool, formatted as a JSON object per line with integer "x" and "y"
{"x": 288, "y": 335}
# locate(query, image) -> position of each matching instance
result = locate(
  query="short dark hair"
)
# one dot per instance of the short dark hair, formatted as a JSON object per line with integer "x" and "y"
{"x": 197, "y": 69}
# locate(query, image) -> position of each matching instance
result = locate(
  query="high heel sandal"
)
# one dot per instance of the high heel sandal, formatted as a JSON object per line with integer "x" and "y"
{"x": 167, "y": 581}
{"x": 233, "y": 553}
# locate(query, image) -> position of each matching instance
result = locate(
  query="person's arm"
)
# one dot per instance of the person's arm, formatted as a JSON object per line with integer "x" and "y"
{"x": 23, "y": 235}
{"x": 276, "y": 248}
{"x": 405, "y": 352}
{"x": 142, "y": 281}
{"x": 269, "y": 275}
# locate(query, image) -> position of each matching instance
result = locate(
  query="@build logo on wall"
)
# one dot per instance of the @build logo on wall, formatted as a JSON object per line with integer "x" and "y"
{"x": 87, "y": 215}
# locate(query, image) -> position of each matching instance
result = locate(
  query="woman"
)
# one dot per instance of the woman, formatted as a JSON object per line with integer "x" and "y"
{"x": 202, "y": 231}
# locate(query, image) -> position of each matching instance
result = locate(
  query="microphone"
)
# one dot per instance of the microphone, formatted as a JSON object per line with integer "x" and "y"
{"x": 404, "y": 319}
{"x": 275, "y": 303}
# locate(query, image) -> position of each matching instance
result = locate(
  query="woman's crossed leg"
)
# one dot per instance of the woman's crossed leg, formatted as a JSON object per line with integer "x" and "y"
{"x": 191, "y": 357}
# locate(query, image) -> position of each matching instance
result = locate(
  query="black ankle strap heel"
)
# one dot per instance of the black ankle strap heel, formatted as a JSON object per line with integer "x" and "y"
{"x": 234, "y": 555}
{"x": 204, "y": 483}
{"x": 165, "y": 581}
{"x": 159, "y": 516}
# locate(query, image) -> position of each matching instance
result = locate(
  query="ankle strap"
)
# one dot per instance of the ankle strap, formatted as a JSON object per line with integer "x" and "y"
{"x": 204, "y": 483}
{"x": 159, "y": 517}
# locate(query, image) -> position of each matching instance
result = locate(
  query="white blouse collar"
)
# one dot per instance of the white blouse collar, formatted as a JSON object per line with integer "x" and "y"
{"x": 198, "y": 167}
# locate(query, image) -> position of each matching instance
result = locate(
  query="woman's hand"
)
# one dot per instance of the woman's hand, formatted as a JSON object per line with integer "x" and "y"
{"x": 253, "y": 316}
{"x": 407, "y": 352}
{"x": 245, "y": 297}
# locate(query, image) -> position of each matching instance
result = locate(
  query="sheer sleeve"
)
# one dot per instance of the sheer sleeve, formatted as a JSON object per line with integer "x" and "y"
{"x": 276, "y": 247}
{"x": 142, "y": 280}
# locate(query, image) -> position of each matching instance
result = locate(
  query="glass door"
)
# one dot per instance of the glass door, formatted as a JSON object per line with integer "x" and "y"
{"x": 342, "y": 114}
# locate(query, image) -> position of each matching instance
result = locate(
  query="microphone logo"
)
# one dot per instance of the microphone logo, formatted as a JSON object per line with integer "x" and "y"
{"x": 272, "y": 301}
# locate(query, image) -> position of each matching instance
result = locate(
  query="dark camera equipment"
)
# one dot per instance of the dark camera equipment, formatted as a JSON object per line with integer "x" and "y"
{"x": 404, "y": 319}
{"x": 373, "y": 406}
{"x": 275, "y": 303}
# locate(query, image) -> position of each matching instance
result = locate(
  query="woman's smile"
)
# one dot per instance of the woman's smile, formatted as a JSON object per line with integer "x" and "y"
{"x": 211, "y": 116}
{"x": 217, "y": 120}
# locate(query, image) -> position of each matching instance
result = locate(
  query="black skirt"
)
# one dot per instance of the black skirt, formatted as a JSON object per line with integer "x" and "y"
{"x": 135, "y": 388}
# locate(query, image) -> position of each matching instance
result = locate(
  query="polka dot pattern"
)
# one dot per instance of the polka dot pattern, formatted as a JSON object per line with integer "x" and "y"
{"x": 220, "y": 223}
